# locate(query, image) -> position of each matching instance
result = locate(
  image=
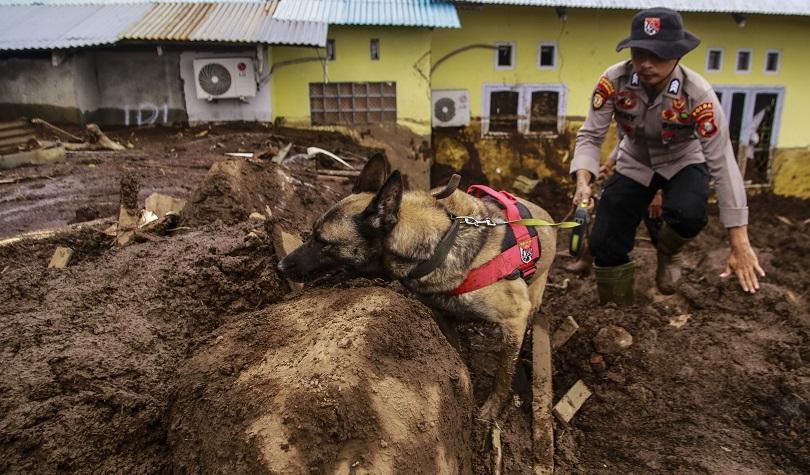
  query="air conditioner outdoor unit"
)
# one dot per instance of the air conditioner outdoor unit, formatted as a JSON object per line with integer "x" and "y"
{"x": 451, "y": 108}
{"x": 224, "y": 78}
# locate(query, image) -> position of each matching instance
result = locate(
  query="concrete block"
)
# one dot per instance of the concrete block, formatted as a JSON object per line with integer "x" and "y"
{"x": 568, "y": 406}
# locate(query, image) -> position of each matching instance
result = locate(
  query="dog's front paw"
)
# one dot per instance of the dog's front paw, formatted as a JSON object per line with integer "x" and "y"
{"x": 490, "y": 410}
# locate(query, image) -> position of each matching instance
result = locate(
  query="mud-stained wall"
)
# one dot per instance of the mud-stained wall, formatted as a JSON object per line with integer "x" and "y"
{"x": 791, "y": 170}
{"x": 121, "y": 86}
{"x": 404, "y": 59}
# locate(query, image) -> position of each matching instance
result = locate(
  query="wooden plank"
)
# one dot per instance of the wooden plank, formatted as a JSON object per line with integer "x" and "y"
{"x": 568, "y": 406}
{"x": 16, "y": 140}
{"x": 15, "y": 132}
{"x": 564, "y": 332}
{"x": 542, "y": 423}
{"x": 14, "y": 124}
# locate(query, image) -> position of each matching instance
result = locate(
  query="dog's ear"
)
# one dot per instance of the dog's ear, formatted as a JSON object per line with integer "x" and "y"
{"x": 382, "y": 213}
{"x": 373, "y": 175}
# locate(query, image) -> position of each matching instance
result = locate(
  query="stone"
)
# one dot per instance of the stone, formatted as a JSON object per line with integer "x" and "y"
{"x": 612, "y": 339}
{"x": 60, "y": 258}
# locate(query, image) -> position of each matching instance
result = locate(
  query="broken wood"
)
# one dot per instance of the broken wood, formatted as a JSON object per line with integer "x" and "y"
{"x": 348, "y": 173}
{"x": 542, "y": 420}
{"x": 497, "y": 450}
{"x": 564, "y": 332}
{"x": 53, "y": 128}
{"x": 103, "y": 140}
{"x": 60, "y": 258}
{"x": 334, "y": 178}
{"x": 568, "y": 406}
{"x": 161, "y": 226}
{"x": 47, "y": 233}
{"x": 128, "y": 214}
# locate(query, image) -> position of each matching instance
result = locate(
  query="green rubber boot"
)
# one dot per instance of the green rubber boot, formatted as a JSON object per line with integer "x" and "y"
{"x": 615, "y": 284}
{"x": 669, "y": 247}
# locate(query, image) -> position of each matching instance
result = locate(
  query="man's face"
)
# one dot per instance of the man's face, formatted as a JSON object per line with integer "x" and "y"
{"x": 651, "y": 69}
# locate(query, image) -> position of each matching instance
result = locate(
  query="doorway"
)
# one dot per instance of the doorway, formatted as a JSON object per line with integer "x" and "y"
{"x": 754, "y": 115}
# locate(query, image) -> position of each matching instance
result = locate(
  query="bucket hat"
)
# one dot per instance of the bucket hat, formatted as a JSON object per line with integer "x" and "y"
{"x": 661, "y": 31}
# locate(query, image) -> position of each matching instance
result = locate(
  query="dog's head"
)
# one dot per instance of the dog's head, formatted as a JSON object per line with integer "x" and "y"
{"x": 349, "y": 236}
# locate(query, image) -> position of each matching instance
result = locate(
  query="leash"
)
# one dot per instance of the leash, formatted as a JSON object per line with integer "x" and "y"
{"x": 536, "y": 222}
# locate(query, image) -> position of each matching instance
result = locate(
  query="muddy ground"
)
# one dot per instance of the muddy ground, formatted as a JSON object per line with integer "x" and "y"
{"x": 94, "y": 357}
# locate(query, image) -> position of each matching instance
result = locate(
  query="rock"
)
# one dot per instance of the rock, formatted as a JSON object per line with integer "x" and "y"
{"x": 612, "y": 339}
{"x": 60, "y": 258}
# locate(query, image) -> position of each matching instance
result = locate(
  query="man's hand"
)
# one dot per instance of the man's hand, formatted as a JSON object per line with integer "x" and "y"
{"x": 583, "y": 192}
{"x": 655, "y": 205}
{"x": 743, "y": 261}
{"x": 606, "y": 170}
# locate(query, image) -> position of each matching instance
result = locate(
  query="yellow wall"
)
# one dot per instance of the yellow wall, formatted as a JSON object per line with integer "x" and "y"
{"x": 586, "y": 47}
{"x": 404, "y": 59}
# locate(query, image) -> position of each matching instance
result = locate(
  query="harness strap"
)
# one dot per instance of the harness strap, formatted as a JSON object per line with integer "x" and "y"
{"x": 439, "y": 255}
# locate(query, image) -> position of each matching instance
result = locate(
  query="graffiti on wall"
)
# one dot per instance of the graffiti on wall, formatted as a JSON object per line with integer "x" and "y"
{"x": 147, "y": 113}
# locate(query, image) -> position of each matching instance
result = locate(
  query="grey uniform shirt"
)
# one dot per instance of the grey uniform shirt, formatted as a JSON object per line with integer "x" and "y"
{"x": 683, "y": 125}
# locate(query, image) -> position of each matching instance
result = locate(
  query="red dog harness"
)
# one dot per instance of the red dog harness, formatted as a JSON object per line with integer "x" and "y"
{"x": 518, "y": 260}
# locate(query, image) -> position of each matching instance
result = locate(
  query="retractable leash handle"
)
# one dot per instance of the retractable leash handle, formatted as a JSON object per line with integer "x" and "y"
{"x": 581, "y": 217}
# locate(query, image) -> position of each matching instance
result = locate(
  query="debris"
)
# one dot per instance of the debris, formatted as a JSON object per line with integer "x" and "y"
{"x": 497, "y": 450}
{"x": 612, "y": 339}
{"x": 344, "y": 342}
{"x": 160, "y": 226}
{"x": 334, "y": 178}
{"x": 564, "y": 332}
{"x": 268, "y": 211}
{"x": 103, "y": 140}
{"x": 161, "y": 204}
{"x": 32, "y": 157}
{"x": 257, "y": 217}
{"x": 146, "y": 218}
{"x": 128, "y": 214}
{"x": 524, "y": 184}
{"x": 60, "y": 258}
{"x": 312, "y": 151}
{"x": 284, "y": 243}
{"x": 542, "y": 395}
{"x": 562, "y": 286}
{"x": 784, "y": 219}
{"x": 240, "y": 154}
{"x": 346, "y": 173}
{"x": 56, "y": 129}
{"x": 201, "y": 134}
{"x": 282, "y": 154}
{"x": 568, "y": 406}
{"x": 680, "y": 320}
{"x": 4, "y": 270}
{"x": 598, "y": 364}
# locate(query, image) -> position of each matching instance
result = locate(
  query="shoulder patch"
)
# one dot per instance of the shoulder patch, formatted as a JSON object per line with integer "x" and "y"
{"x": 703, "y": 115}
{"x": 604, "y": 89}
{"x": 674, "y": 86}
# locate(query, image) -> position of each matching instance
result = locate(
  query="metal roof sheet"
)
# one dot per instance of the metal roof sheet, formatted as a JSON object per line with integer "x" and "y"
{"x": 113, "y": 2}
{"x": 768, "y": 7}
{"x": 243, "y": 22}
{"x": 50, "y": 27}
{"x": 424, "y": 13}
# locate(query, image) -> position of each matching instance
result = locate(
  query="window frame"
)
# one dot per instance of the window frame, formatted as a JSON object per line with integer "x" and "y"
{"x": 709, "y": 52}
{"x": 768, "y": 52}
{"x": 524, "y": 107}
{"x": 554, "y": 56}
{"x": 512, "y": 56}
{"x": 737, "y": 69}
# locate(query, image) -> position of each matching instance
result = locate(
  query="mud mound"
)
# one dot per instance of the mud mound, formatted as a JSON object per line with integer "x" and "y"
{"x": 232, "y": 189}
{"x": 336, "y": 381}
{"x": 89, "y": 353}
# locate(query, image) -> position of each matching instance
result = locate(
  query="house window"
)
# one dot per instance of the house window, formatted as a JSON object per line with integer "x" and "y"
{"x": 547, "y": 56}
{"x": 353, "y": 103}
{"x": 375, "y": 49}
{"x": 503, "y": 111}
{"x": 330, "y": 50}
{"x": 505, "y": 56}
{"x": 714, "y": 59}
{"x": 523, "y": 108}
{"x": 543, "y": 110}
{"x": 743, "y": 61}
{"x": 772, "y": 60}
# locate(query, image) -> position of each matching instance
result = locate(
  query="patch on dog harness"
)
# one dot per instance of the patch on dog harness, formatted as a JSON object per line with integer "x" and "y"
{"x": 522, "y": 246}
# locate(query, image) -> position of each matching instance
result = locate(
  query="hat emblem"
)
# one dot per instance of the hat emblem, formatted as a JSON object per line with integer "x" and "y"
{"x": 652, "y": 25}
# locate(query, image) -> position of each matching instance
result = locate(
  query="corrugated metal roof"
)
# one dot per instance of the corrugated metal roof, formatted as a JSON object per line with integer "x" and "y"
{"x": 426, "y": 13}
{"x": 50, "y": 27}
{"x": 244, "y": 22}
{"x": 768, "y": 7}
{"x": 112, "y": 2}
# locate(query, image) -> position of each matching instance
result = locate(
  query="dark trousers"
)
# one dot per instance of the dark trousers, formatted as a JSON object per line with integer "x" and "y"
{"x": 624, "y": 202}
